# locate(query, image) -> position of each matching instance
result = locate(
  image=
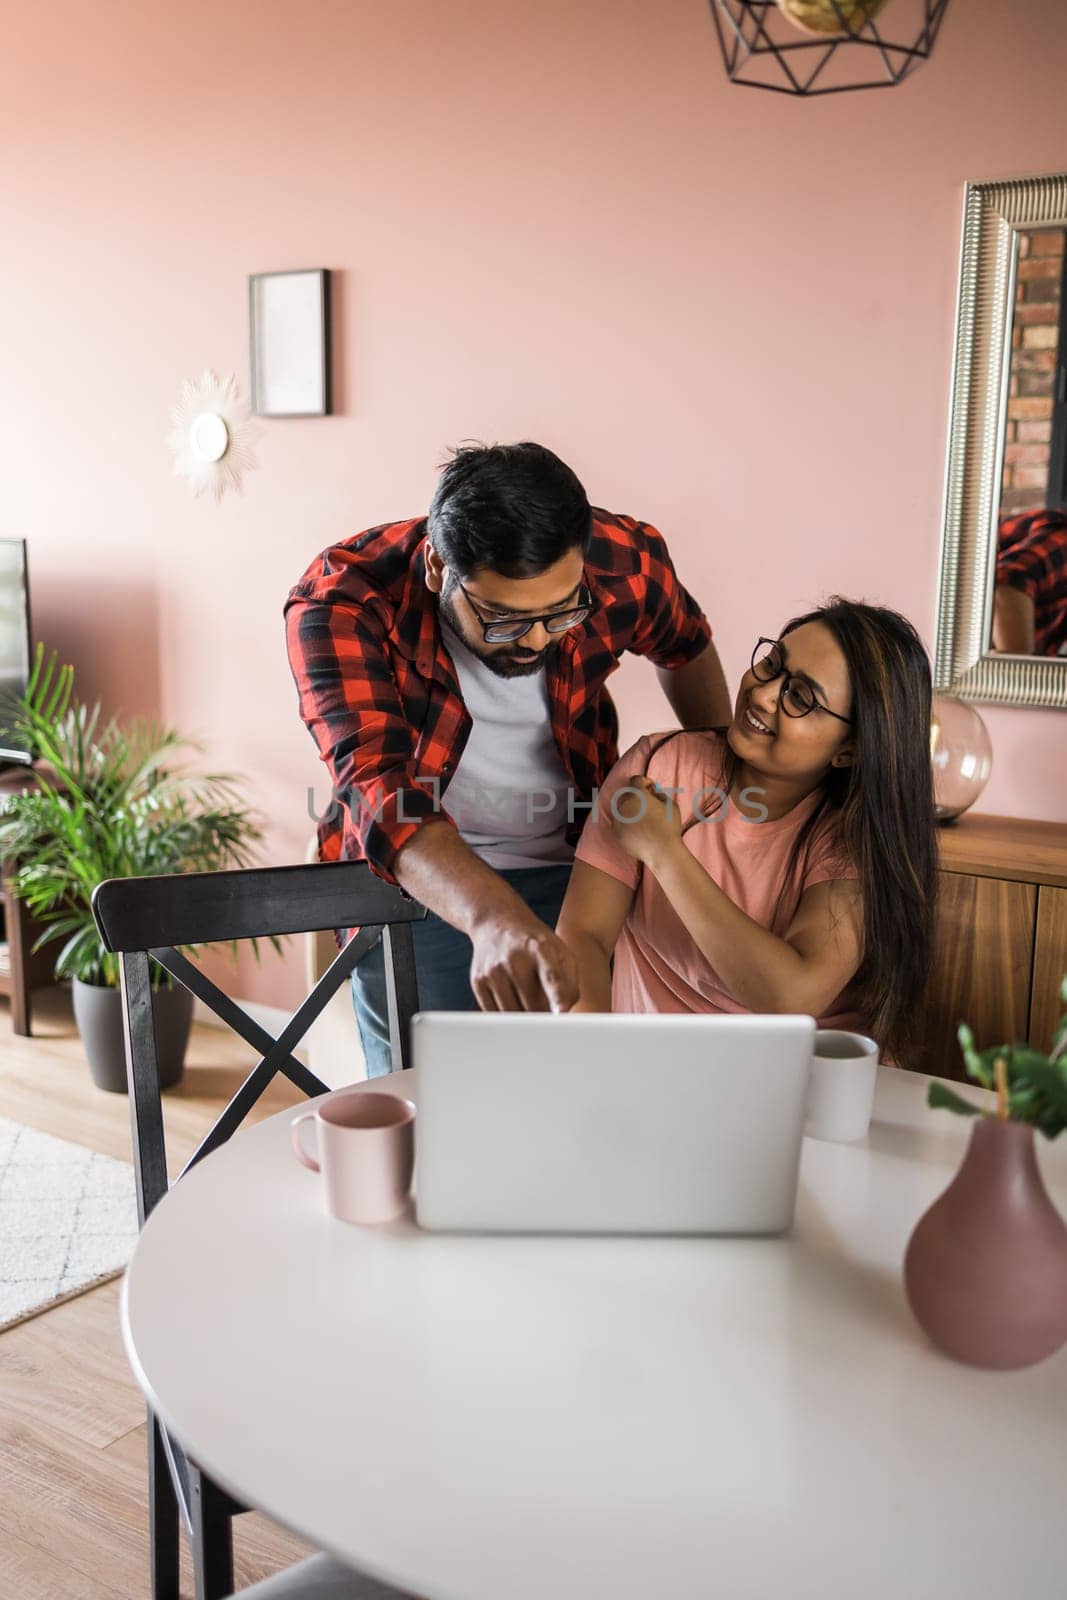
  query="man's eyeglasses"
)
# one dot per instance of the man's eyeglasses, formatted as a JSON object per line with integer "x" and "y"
{"x": 797, "y": 698}
{"x": 515, "y": 628}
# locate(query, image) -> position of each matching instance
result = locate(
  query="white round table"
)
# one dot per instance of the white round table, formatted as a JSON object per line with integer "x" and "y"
{"x": 494, "y": 1418}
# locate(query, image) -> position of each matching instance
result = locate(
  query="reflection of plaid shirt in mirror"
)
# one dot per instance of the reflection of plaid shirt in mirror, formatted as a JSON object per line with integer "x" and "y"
{"x": 380, "y": 697}
{"x": 1032, "y": 556}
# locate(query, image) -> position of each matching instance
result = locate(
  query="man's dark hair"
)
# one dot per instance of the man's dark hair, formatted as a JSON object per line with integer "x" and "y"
{"x": 514, "y": 508}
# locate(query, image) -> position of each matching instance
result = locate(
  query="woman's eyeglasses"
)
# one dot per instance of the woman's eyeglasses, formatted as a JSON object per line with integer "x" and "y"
{"x": 516, "y": 628}
{"x": 797, "y": 698}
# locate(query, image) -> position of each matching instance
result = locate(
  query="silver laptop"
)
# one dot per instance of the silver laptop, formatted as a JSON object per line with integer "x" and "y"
{"x": 541, "y": 1123}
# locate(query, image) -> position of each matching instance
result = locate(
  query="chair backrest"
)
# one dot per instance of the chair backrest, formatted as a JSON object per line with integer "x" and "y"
{"x": 143, "y": 918}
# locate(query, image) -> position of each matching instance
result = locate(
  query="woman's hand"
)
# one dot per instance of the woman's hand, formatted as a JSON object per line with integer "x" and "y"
{"x": 647, "y": 824}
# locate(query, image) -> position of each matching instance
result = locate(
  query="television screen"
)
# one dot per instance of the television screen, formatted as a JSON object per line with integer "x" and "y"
{"x": 14, "y": 644}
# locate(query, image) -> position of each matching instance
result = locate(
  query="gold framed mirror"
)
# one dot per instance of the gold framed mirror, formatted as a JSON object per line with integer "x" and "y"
{"x": 1002, "y": 611}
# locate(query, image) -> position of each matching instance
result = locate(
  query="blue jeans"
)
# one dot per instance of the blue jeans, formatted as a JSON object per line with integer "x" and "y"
{"x": 442, "y": 962}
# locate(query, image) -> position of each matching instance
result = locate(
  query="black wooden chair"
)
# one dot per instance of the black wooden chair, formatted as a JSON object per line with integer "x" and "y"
{"x": 140, "y": 918}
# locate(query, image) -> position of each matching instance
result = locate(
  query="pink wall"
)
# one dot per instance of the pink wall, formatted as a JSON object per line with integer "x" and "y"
{"x": 730, "y": 311}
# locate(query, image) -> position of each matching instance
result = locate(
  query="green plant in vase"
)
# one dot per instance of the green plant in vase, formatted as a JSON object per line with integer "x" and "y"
{"x": 110, "y": 802}
{"x": 1031, "y": 1087}
{"x": 986, "y": 1267}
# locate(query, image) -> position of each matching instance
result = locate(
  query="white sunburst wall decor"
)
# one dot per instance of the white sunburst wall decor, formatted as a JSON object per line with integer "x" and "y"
{"x": 213, "y": 437}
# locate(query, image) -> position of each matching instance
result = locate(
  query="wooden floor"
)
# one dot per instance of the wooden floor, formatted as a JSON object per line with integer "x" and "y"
{"x": 73, "y": 1515}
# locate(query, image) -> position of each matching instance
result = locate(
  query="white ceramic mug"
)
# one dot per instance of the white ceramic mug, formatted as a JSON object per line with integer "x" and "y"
{"x": 844, "y": 1070}
{"x": 366, "y": 1152}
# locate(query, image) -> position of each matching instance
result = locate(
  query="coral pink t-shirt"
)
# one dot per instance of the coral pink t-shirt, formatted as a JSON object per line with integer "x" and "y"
{"x": 658, "y": 966}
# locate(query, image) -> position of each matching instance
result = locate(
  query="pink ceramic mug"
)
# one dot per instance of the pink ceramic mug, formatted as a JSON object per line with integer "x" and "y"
{"x": 366, "y": 1152}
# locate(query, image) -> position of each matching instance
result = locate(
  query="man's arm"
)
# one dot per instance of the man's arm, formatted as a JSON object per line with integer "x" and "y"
{"x": 1013, "y": 621}
{"x": 697, "y": 691}
{"x": 518, "y": 963}
{"x": 1031, "y": 565}
{"x": 673, "y": 632}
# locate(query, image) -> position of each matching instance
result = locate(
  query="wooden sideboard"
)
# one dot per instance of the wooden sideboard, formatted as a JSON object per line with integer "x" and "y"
{"x": 1001, "y": 945}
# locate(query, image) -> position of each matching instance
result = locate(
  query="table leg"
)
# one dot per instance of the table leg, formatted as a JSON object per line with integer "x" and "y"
{"x": 210, "y": 1510}
{"x": 163, "y": 1533}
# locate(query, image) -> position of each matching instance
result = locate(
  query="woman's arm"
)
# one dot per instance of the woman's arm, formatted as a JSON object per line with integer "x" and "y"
{"x": 595, "y": 908}
{"x": 804, "y": 971}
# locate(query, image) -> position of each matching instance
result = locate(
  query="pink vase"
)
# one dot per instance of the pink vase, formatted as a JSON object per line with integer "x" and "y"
{"x": 986, "y": 1268}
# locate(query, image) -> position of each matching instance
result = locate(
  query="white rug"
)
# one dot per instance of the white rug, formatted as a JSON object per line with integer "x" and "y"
{"x": 68, "y": 1220}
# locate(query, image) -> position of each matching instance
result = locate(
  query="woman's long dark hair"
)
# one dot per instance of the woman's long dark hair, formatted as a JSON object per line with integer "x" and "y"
{"x": 883, "y": 810}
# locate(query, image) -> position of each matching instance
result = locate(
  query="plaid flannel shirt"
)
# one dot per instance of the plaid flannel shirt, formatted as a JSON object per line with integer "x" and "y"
{"x": 379, "y": 694}
{"x": 1032, "y": 557}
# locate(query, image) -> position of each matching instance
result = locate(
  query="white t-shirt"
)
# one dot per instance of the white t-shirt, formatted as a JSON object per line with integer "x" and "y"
{"x": 508, "y": 795}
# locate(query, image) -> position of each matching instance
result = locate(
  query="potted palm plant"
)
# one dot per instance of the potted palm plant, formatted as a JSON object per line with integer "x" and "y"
{"x": 986, "y": 1267}
{"x": 110, "y": 803}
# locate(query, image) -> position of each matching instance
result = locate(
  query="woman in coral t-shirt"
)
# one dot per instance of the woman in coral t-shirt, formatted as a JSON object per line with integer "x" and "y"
{"x": 786, "y": 863}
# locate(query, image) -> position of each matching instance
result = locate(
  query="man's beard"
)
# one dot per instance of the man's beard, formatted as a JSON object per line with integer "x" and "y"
{"x": 523, "y": 664}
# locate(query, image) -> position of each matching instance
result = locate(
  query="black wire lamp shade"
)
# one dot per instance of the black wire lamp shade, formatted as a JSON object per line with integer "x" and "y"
{"x": 814, "y": 47}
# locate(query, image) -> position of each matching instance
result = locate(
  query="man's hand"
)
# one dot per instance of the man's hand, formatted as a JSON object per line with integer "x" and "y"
{"x": 520, "y": 965}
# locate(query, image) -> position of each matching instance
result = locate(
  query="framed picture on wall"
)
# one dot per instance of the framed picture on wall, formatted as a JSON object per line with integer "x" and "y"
{"x": 289, "y": 340}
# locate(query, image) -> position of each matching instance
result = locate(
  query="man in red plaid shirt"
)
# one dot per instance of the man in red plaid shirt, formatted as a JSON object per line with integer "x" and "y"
{"x": 452, "y": 672}
{"x": 1030, "y": 597}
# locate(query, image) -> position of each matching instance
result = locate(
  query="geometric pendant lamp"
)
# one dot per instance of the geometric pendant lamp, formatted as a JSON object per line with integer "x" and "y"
{"x": 814, "y": 47}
